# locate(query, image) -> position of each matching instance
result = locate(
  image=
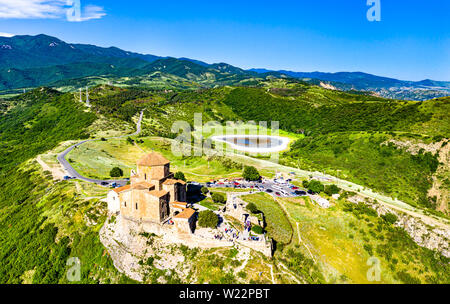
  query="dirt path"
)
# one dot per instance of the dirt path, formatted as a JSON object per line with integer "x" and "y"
{"x": 271, "y": 273}
{"x": 288, "y": 272}
{"x": 57, "y": 172}
{"x": 301, "y": 242}
{"x": 281, "y": 204}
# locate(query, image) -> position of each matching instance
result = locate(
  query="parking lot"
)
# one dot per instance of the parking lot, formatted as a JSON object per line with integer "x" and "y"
{"x": 278, "y": 188}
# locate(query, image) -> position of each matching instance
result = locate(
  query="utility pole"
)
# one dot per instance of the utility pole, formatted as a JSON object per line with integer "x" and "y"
{"x": 87, "y": 96}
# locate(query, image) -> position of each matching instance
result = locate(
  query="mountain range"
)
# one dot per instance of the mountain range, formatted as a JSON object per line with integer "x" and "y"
{"x": 32, "y": 61}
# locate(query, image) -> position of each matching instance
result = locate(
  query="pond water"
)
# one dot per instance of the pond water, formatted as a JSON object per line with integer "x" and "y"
{"x": 254, "y": 143}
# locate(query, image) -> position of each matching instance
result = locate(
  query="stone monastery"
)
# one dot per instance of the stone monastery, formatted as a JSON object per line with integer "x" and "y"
{"x": 153, "y": 196}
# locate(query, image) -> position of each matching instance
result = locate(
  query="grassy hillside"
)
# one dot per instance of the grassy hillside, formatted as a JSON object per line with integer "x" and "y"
{"x": 42, "y": 119}
{"x": 317, "y": 110}
{"x": 367, "y": 159}
{"x": 334, "y": 245}
{"x": 40, "y": 222}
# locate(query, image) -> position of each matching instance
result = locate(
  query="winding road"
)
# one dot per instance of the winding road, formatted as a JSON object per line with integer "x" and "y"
{"x": 73, "y": 173}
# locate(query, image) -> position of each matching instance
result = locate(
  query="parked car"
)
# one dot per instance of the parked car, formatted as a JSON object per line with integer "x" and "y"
{"x": 104, "y": 183}
{"x": 269, "y": 190}
{"x": 299, "y": 192}
{"x": 310, "y": 192}
{"x": 277, "y": 194}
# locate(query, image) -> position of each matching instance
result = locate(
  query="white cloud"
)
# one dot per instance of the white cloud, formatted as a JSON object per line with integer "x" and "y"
{"x": 6, "y": 35}
{"x": 47, "y": 9}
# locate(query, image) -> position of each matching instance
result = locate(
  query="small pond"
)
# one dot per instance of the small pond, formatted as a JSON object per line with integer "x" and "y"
{"x": 254, "y": 143}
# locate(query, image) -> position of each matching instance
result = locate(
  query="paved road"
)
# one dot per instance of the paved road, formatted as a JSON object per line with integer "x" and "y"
{"x": 73, "y": 173}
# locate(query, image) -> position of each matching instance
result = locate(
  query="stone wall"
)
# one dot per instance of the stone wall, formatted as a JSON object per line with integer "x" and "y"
{"x": 239, "y": 213}
{"x": 149, "y": 207}
{"x": 264, "y": 247}
{"x": 170, "y": 235}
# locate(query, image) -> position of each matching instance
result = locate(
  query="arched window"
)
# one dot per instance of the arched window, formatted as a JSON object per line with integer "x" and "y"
{"x": 145, "y": 176}
{"x": 136, "y": 207}
{"x": 125, "y": 204}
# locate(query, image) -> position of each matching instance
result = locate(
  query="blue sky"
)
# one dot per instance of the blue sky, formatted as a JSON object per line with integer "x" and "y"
{"x": 411, "y": 42}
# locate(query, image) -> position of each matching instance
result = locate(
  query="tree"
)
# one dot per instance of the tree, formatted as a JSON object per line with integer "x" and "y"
{"x": 116, "y": 172}
{"x": 218, "y": 198}
{"x": 305, "y": 183}
{"x": 252, "y": 208}
{"x": 390, "y": 218}
{"x": 250, "y": 173}
{"x": 258, "y": 229}
{"x": 205, "y": 190}
{"x": 180, "y": 175}
{"x": 332, "y": 189}
{"x": 315, "y": 186}
{"x": 130, "y": 140}
{"x": 208, "y": 219}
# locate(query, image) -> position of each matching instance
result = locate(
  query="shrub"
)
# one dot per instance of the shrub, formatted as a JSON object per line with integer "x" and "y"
{"x": 390, "y": 218}
{"x": 250, "y": 173}
{"x": 257, "y": 229}
{"x": 130, "y": 140}
{"x": 331, "y": 189}
{"x": 230, "y": 164}
{"x": 116, "y": 172}
{"x": 218, "y": 198}
{"x": 407, "y": 278}
{"x": 208, "y": 219}
{"x": 315, "y": 186}
{"x": 242, "y": 274}
{"x": 204, "y": 190}
{"x": 368, "y": 248}
{"x": 252, "y": 208}
{"x": 180, "y": 175}
{"x": 305, "y": 183}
